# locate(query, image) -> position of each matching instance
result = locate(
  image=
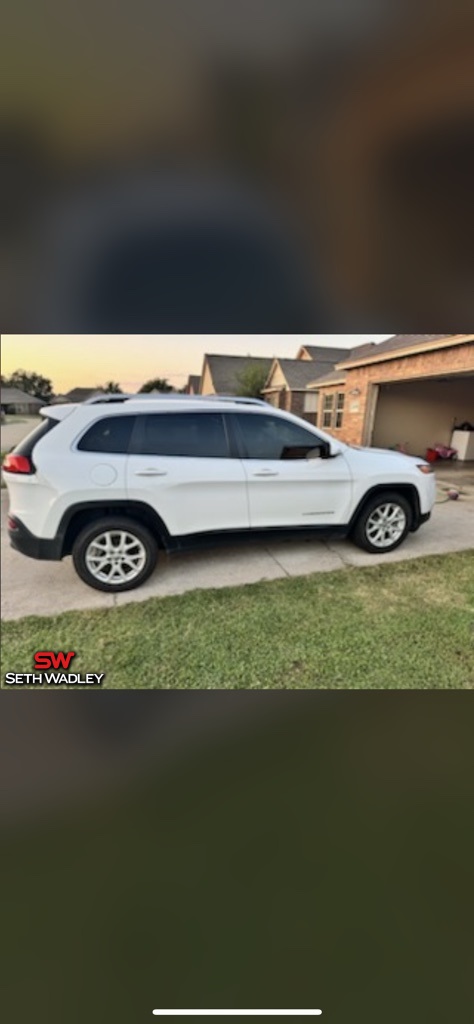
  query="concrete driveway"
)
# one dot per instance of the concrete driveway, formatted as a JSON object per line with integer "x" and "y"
{"x": 46, "y": 588}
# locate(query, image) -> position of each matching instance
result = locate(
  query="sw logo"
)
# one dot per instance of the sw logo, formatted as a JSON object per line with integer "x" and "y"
{"x": 49, "y": 659}
{"x": 58, "y": 660}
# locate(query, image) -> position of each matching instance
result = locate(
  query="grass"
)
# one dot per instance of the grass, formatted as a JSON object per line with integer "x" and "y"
{"x": 398, "y": 626}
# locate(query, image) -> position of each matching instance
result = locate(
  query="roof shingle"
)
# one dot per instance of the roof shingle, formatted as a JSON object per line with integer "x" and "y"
{"x": 394, "y": 344}
{"x": 226, "y": 370}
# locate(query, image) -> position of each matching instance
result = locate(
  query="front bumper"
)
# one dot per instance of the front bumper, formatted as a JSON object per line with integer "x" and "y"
{"x": 422, "y": 518}
{"x": 22, "y": 540}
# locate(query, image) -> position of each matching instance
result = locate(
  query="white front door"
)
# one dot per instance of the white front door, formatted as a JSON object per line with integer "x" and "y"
{"x": 286, "y": 488}
{"x": 181, "y": 466}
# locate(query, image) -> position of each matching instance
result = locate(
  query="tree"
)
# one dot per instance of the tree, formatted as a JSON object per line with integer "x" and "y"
{"x": 252, "y": 380}
{"x": 158, "y": 384}
{"x": 112, "y": 388}
{"x": 31, "y": 383}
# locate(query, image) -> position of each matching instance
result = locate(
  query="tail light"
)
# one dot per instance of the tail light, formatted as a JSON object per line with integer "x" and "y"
{"x": 18, "y": 464}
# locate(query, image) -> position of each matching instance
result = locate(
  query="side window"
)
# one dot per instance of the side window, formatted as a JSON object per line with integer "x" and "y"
{"x": 327, "y": 410}
{"x": 269, "y": 437}
{"x": 339, "y": 409}
{"x": 111, "y": 434}
{"x": 311, "y": 399}
{"x": 193, "y": 435}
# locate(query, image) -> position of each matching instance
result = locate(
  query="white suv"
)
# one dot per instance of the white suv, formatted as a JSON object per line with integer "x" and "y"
{"x": 115, "y": 478}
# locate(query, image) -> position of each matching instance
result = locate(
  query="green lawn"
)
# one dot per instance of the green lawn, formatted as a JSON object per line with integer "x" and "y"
{"x": 405, "y": 625}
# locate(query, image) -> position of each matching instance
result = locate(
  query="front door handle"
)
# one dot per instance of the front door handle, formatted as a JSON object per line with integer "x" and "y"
{"x": 151, "y": 472}
{"x": 267, "y": 472}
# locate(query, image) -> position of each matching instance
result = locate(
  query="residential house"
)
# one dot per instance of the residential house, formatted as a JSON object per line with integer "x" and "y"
{"x": 77, "y": 395}
{"x": 18, "y": 402}
{"x": 193, "y": 385}
{"x": 288, "y": 380}
{"x": 410, "y": 391}
{"x": 221, "y": 374}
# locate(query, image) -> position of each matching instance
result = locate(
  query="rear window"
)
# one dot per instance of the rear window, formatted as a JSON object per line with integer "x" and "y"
{"x": 110, "y": 435}
{"x": 27, "y": 445}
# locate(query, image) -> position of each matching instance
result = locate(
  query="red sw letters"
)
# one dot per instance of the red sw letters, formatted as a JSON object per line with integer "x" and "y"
{"x": 48, "y": 659}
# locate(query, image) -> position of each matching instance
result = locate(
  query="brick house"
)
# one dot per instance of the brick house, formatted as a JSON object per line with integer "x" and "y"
{"x": 288, "y": 380}
{"x": 411, "y": 390}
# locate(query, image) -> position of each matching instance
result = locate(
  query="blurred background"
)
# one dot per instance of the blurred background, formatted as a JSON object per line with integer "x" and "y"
{"x": 237, "y": 849}
{"x": 266, "y": 166}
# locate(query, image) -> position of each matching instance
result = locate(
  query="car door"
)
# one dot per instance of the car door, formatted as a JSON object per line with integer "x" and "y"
{"x": 289, "y": 483}
{"x": 181, "y": 465}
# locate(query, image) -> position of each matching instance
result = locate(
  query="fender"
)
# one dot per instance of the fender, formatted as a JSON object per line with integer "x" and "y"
{"x": 85, "y": 512}
{"x": 408, "y": 491}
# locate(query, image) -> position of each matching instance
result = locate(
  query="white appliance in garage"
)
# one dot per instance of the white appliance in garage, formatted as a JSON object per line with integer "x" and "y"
{"x": 463, "y": 442}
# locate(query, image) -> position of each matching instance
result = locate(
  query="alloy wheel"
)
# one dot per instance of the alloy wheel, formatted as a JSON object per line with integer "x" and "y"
{"x": 115, "y": 557}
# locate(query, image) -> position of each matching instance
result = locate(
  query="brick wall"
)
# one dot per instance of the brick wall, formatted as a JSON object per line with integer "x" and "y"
{"x": 357, "y": 412}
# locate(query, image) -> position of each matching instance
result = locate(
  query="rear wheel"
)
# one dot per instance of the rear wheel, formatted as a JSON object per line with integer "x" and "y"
{"x": 114, "y": 554}
{"x": 383, "y": 523}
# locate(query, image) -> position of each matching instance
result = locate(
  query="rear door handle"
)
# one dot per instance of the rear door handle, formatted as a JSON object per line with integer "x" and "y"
{"x": 267, "y": 472}
{"x": 151, "y": 472}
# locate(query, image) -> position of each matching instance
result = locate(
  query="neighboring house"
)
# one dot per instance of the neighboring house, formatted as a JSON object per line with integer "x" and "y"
{"x": 77, "y": 395}
{"x": 193, "y": 385}
{"x": 19, "y": 403}
{"x": 409, "y": 391}
{"x": 288, "y": 380}
{"x": 221, "y": 374}
{"x": 319, "y": 354}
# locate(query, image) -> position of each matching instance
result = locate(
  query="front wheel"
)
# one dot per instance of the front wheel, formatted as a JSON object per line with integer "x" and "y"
{"x": 383, "y": 523}
{"x": 114, "y": 554}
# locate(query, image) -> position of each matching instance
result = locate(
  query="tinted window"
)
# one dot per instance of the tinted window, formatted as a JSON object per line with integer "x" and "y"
{"x": 27, "y": 445}
{"x": 110, "y": 434}
{"x": 269, "y": 437}
{"x": 197, "y": 435}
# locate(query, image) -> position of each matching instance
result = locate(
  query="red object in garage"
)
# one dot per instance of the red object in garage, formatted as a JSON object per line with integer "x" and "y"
{"x": 431, "y": 455}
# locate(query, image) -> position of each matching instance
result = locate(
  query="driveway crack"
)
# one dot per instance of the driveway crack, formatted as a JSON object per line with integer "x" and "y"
{"x": 275, "y": 559}
{"x": 344, "y": 561}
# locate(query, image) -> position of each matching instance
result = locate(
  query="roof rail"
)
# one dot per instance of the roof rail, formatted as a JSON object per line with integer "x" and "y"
{"x": 95, "y": 399}
{"x": 235, "y": 398}
{"x": 171, "y": 395}
{"x": 128, "y": 396}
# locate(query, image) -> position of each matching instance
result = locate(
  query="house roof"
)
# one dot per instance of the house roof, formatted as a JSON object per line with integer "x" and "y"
{"x": 81, "y": 394}
{"x": 334, "y": 377}
{"x": 320, "y": 353}
{"x": 299, "y": 372}
{"x": 397, "y": 343}
{"x": 13, "y": 396}
{"x": 194, "y": 382}
{"x": 225, "y": 370}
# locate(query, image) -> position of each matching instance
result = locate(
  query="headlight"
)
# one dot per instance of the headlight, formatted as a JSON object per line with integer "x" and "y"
{"x": 425, "y": 467}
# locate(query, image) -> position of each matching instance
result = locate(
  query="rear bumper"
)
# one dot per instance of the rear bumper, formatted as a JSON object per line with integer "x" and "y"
{"x": 22, "y": 540}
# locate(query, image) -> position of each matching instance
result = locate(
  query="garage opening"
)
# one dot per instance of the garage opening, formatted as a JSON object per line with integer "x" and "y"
{"x": 415, "y": 415}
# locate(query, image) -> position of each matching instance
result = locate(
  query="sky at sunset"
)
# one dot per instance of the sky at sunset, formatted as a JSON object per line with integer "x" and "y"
{"x": 91, "y": 360}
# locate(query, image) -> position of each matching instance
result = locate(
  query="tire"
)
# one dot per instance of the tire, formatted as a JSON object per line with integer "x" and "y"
{"x": 114, "y": 554}
{"x": 383, "y": 523}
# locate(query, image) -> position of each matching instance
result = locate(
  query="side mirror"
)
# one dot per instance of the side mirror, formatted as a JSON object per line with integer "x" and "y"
{"x": 316, "y": 453}
{"x": 334, "y": 449}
